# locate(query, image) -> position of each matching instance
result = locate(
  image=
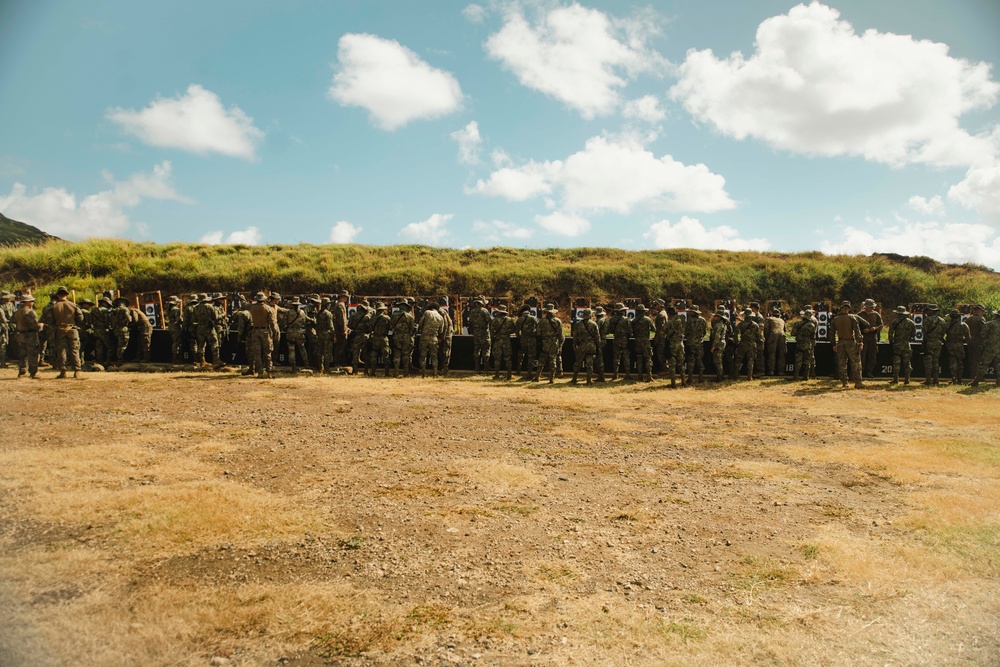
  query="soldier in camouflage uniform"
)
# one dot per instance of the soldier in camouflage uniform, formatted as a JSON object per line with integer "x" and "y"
{"x": 674, "y": 350}
{"x": 934, "y": 330}
{"x": 660, "y": 337}
{"x": 991, "y": 350}
{"x": 28, "y": 325}
{"x": 871, "y": 327}
{"x": 143, "y": 332}
{"x": 222, "y": 320}
{"x": 642, "y": 329}
{"x": 586, "y": 339}
{"x": 444, "y": 346}
{"x": 360, "y": 325}
{"x": 956, "y": 338}
{"x": 750, "y": 334}
{"x": 379, "y": 354}
{"x": 976, "y": 322}
{"x": 86, "y": 331}
{"x": 621, "y": 329}
{"x": 550, "y": 330}
{"x": 431, "y": 330}
{"x": 8, "y": 330}
{"x": 242, "y": 327}
{"x": 901, "y": 332}
{"x": 104, "y": 343}
{"x": 340, "y": 329}
{"x": 175, "y": 325}
{"x": 479, "y": 328}
{"x": 295, "y": 334}
{"x": 804, "y": 332}
{"x": 191, "y": 326}
{"x": 526, "y": 330}
{"x": 45, "y": 334}
{"x": 774, "y": 337}
{"x": 603, "y": 323}
{"x": 694, "y": 333}
{"x": 403, "y": 327}
{"x": 119, "y": 321}
{"x": 312, "y": 338}
{"x": 263, "y": 332}
{"x": 850, "y": 342}
{"x": 720, "y": 329}
{"x": 324, "y": 335}
{"x": 759, "y": 318}
{"x": 64, "y": 319}
{"x": 501, "y": 329}
{"x": 206, "y": 317}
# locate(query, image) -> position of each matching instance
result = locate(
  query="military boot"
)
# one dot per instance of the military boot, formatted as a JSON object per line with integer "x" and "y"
{"x": 62, "y": 375}
{"x": 76, "y": 375}
{"x": 601, "y": 378}
{"x": 701, "y": 377}
{"x": 508, "y": 376}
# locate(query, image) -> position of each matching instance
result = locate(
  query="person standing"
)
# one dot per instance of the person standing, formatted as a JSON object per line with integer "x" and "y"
{"x": 586, "y": 337}
{"x": 324, "y": 335}
{"x": 175, "y": 325}
{"x": 991, "y": 350}
{"x": 934, "y": 330}
{"x": 526, "y": 330}
{"x": 403, "y": 327}
{"x": 360, "y": 325}
{"x": 759, "y": 318}
{"x": 8, "y": 330}
{"x": 956, "y": 338}
{"x": 501, "y": 329}
{"x": 479, "y": 328}
{"x": 674, "y": 342}
{"x": 749, "y": 332}
{"x": 295, "y": 334}
{"x": 976, "y": 322}
{"x": 720, "y": 329}
{"x": 804, "y": 333}
{"x": 119, "y": 322}
{"x": 660, "y": 337}
{"x": 621, "y": 329}
{"x": 143, "y": 333}
{"x": 900, "y": 333}
{"x": 431, "y": 329}
{"x": 64, "y": 320}
{"x": 263, "y": 332}
{"x": 774, "y": 337}
{"x": 444, "y": 346}
{"x": 604, "y": 327}
{"x": 380, "y": 353}
{"x": 28, "y": 326}
{"x": 694, "y": 333}
{"x": 849, "y": 345}
{"x": 642, "y": 329}
{"x": 340, "y": 329}
{"x": 550, "y": 329}
{"x": 871, "y": 328}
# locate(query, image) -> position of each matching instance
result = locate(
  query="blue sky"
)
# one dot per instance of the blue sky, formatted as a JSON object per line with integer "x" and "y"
{"x": 852, "y": 127}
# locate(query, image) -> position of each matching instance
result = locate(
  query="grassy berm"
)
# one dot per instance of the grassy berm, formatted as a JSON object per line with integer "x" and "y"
{"x": 604, "y": 273}
{"x": 206, "y": 519}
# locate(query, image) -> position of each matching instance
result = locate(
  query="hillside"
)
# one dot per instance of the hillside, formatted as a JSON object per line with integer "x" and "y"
{"x": 14, "y": 233}
{"x": 605, "y": 273}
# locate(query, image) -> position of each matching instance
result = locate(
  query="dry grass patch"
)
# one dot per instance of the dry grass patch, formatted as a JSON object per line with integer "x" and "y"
{"x": 496, "y": 475}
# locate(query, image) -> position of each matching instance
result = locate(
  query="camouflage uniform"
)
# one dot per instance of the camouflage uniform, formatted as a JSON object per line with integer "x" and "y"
{"x": 956, "y": 337}
{"x": 206, "y": 335}
{"x": 4, "y": 336}
{"x": 313, "y": 346}
{"x": 379, "y": 354}
{"x": 774, "y": 335}
{"x": 340, "y": 330}
{"x": 750, "y": 336}
{"x": 222, "y": 322}
{"x": 934, "y": 330}
{"x": 175, "y": 325}
{"x": 403, "y": 327}
{"x": 976, "y": 324}
{"x": 324, "y": 338}
{"x": 603, "y": 323}
{"x": 871, "y": 328}
{"x": 479, "y": 327}
{"x": 694, "y": 333}
{"x": 191, "y": 325}
{"x": 586, "y": 341}
{"x": 100, "y": 324}
{"x": 444, "y": 344}
{"x": 360, "y": 325}
{"x": 27, "y": 324}
{"x": 119, "y": 320}
{"x": 526, "y": 329}
{"x": 674, "y": 345}
{"x": 431, "y": 329}
{"x": 263, "y": 332}
{"x": 621, "y": 329}
{"x": 660, "y": 337}
{"x": 501, "y": 329}
{"x": 64, "y": 320}
{"x": 642, "y": 327}
{"x": 991, "y": 350}
{"x": 550, "y": 330}
{"x": 848, "y": 331}
{"x": 901, "y": 331}
{"x": 720, "y": 328}
{"x": 804, "y": 332}
{"x": 295, "y": 335}
{"x": 143, "y": 333}
{"x": 241, "y": 325}
{"x": 759, "y": 319}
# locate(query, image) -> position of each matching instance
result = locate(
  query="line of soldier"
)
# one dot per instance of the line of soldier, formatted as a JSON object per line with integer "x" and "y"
{"x": 320, "y": 334}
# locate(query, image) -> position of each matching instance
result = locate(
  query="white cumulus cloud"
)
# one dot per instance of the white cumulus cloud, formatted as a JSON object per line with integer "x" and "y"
{"x": 579, "y": 56}
{"x": 344, "y": 232}
{"x": 613, "y": 175}
{"x": 564, "y": 224}
{"x": 498, "y": 230}
{"x": 951, "y": 242}
{"x": 432, "y": 231}
{"x": 469, "y": 143}
{"x": 195, "y": 121}
{"x": 932, "y": 206}
{"x": 391, "y": 82}
{"x": 248, "y": 236}
{"x": 58, "y": 212}
{"x": 645, "y": 108}
{"x": 815, "y": 86}
{"x": 474, "y": 13}
{"x": 980, "y": 190}
{"x": 690, "y": 233}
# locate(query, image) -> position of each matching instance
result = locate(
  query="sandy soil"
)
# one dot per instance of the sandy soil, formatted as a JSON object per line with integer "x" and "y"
{"x": 205, "y": 518}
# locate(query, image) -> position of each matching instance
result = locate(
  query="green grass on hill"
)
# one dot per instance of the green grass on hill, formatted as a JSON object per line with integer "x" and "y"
{"x": 701, "y": 275}
{"x": 14, "y": 233}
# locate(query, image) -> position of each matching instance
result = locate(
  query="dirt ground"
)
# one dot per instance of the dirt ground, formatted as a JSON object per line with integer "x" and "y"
{"x": 209, "y": 519}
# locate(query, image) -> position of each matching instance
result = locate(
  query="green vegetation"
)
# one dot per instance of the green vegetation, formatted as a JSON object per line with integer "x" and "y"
{"x": 14, "y": 233}
{"x": 604, "y": 273}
